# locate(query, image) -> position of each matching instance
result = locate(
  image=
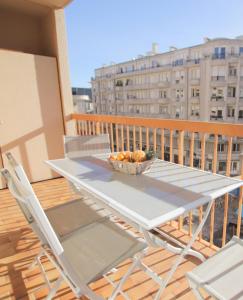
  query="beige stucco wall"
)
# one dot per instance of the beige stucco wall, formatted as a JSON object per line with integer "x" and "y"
{"x": 64, "y": 76}
{"x": 19, "y": 32}
{"x": 35, "y": 90}
{"x": 31, "y": 116}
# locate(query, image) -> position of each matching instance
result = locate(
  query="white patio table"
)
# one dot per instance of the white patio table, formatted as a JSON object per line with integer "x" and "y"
{"x": 150, "y": 200}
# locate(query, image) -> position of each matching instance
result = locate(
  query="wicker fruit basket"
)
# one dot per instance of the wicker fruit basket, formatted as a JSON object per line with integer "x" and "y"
{"x": 132, "y": 163}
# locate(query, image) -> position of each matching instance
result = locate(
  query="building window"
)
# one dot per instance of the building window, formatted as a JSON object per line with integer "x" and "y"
{"x": 195, "y": 73}
{"x": 195, "y": 109}
{"x": 179, "y": 93}
{"x": 241, "y": 50}
{"x": 234, "y": 165}
{"x": 236, "y": 147}
{"x": 240, "y": 114}
{"x": 220, "y": 147}
{"x": 241, "y": 93}
{"x": 232, "y": 71}
{"x": 143, "y": 67}
{"x": 232, "y": 91}
{"x": 219, "y": 53}
{"x": 195, "y": 92}
{"x": 222, "y": 166}
{"x": 163, "y": 109}
{"x": 164, "y": 77}
{"x": 177, "y": 62}
{"x": 130, "y": 68}
{"x": 218, "y": 73}
{"x": 120, "y": 70}
{"x": 217, "y": 94}
{"x": 128, "y": 82}
{"x": 230, "y": 112}
{"x": 163, "y": 94}
{"x": 220, "y": 114}
{"x": 155, "y": 64}
{"x": 119, "y": 83}
{"x": 177, "y": 113}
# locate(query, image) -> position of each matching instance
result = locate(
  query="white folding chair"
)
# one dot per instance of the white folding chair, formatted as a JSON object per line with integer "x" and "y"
{"x": 81, "y": 146}
{"x": 76, "y": 147}
{"x": 81, "y": 253}
{"x": 220, "y": 275}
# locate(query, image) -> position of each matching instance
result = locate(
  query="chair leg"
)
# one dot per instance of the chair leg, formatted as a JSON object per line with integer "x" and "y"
{"x": 35, "y": 262}
{"x": 55, "y": 288}
{"x": 115, "y": 285}
{"x": 136, "y": 263}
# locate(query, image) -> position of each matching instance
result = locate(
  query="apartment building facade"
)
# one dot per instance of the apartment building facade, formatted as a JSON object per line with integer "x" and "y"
{"x": 82, "y": 100}
{"x": 201, "y": 83}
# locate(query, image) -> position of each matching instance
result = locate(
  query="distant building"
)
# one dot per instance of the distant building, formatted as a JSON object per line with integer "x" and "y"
{"x": 82, "y": 100}
{"x": 201, "y": 83}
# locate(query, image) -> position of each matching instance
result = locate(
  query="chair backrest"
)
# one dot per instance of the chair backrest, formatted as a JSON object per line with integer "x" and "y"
{"x": 33, "y": 211}
{"x": 18, "y": 170}
{"x": 81, "y": 146}
{"x": 20, "y": 201}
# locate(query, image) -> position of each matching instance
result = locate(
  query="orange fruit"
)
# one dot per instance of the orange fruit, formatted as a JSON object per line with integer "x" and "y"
{"x": 120, "y": 156}
{"x": 128, "y": 155}
{"x": 112, "y": 157}
{"x": 138, "y": 156}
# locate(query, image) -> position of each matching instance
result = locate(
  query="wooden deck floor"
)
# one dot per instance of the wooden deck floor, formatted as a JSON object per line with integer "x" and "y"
{"x": 18, "y": 247}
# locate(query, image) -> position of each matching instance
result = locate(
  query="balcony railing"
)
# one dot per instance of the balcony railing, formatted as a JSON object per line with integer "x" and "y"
{"x": 217, "y": 98}
{"x": 218, "y": 56}
{"x": 180, "y": 138}
{"x": 213, "y": 117}
{"x": 218, "y": 78}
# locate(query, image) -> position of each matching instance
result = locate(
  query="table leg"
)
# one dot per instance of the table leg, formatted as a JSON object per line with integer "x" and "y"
{"x": 184, "y": 252}
{"x": 154, "y": 241}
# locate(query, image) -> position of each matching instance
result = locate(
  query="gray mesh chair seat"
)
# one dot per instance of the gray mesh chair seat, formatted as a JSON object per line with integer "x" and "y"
{"x": 91, "y": 243}
{"x": 96, "y": 248}
{"x": 70, "y": 216}
{"x": 220, "y": 275}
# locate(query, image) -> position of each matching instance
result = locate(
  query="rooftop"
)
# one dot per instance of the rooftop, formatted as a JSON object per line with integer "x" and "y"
{"x": 218, "y": 41}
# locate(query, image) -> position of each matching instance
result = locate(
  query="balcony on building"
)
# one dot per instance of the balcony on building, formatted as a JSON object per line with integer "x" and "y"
{"x": 34, "y": 133}
{"x": 195, "y": 115}
{"x": 56, "y": 191}
{"x": 218, "y": 78}
{"x": 218, "y": 56}
{"x": 217, "y": 98}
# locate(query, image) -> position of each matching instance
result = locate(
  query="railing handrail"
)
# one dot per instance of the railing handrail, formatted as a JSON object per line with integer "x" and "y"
{"x": 227, "y": 129}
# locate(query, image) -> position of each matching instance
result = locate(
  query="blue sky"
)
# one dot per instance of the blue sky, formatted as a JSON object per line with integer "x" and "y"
{"x": 102, "y": 31}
